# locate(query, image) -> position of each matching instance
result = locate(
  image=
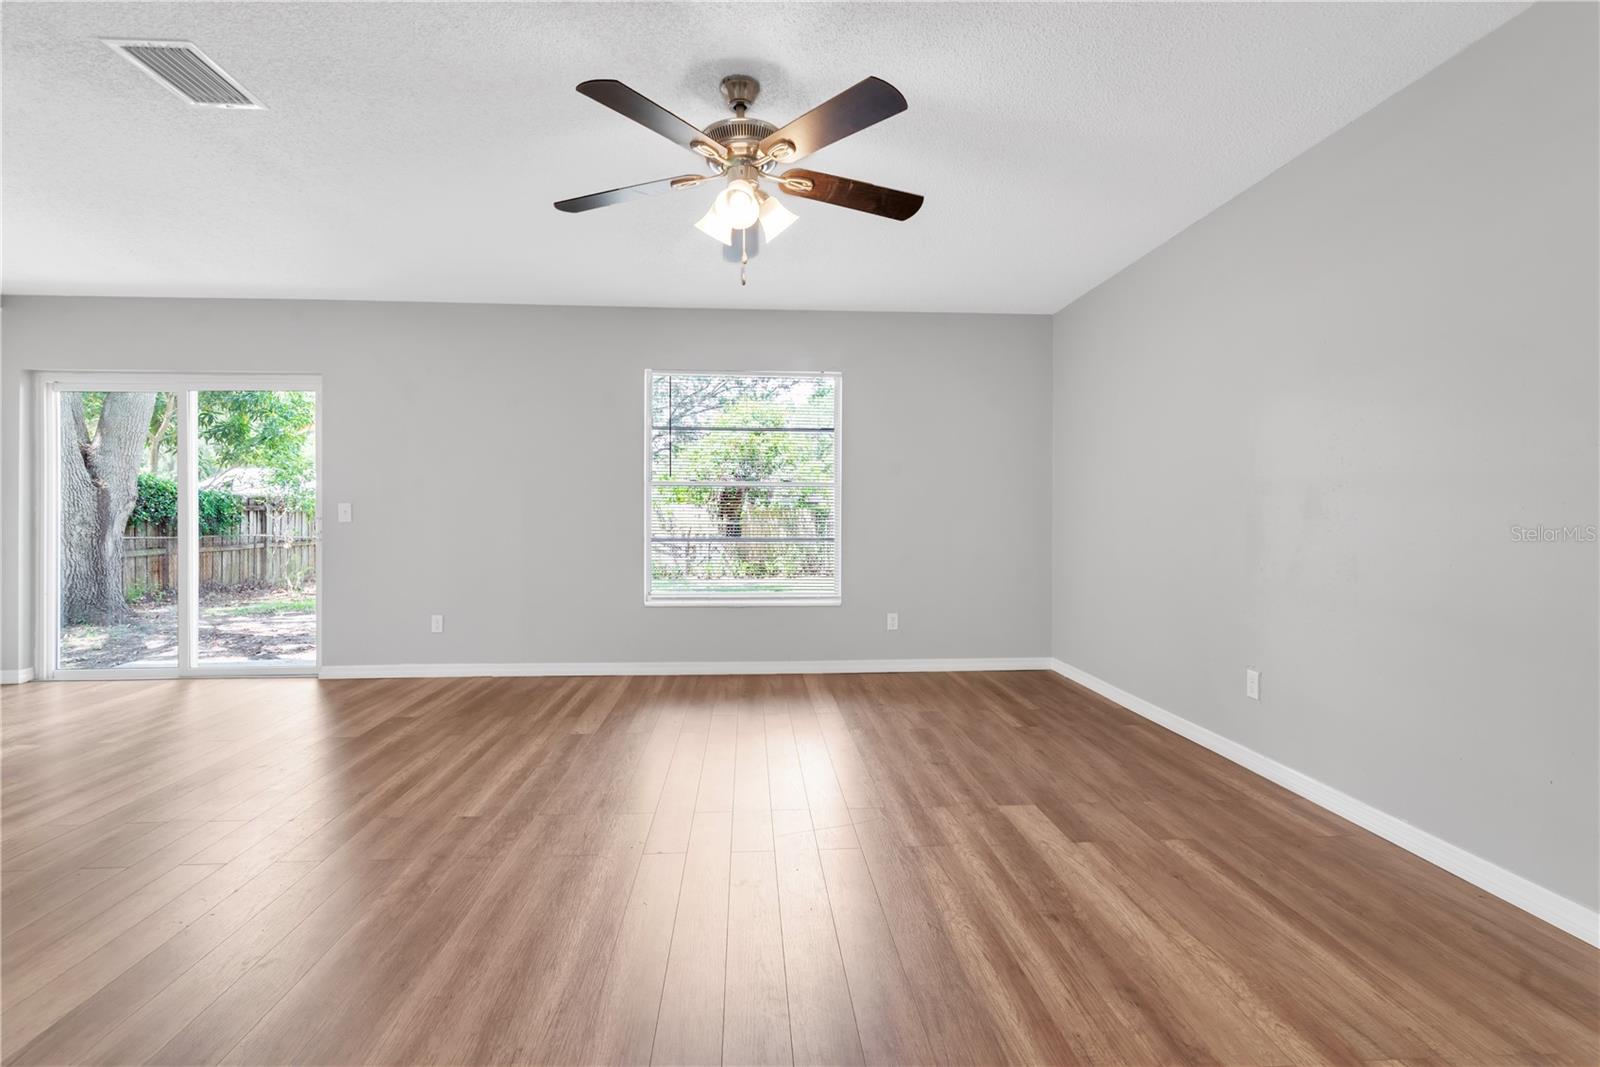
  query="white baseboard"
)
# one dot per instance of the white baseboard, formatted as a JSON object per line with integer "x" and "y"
{"x": 16, "y": 677}
{"x": 820, "y": 666}
{"x": 1531, "y": 897}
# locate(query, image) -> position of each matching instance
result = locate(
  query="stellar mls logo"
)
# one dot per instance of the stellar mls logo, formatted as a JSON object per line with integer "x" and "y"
{"x": 1552, "y": 534}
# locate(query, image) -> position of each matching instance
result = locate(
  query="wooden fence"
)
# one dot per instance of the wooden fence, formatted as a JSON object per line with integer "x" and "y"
{"x": 272, "y": 548}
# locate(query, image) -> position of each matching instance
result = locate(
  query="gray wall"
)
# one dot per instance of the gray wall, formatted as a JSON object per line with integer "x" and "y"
{"x": 1299, "y": 434}
{"x": 494, "y": 459}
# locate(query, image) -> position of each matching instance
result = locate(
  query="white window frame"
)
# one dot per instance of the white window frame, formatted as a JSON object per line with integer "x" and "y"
{"x": 832, "y": 601}
{"x": 48, "y": 387}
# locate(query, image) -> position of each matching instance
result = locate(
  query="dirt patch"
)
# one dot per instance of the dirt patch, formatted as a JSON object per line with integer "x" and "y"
{"x": 253, "y": 626}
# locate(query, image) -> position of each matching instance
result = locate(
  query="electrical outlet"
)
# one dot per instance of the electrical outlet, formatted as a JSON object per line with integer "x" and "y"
{"x": 436, "y": 623}
{"x": 894, "y": 620}
{"x": 344, "y": 512}
{"x": 1252, "y": 683}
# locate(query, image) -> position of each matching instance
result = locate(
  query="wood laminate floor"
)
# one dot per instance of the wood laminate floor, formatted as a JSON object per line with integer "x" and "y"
{"x": 921, "y": 868}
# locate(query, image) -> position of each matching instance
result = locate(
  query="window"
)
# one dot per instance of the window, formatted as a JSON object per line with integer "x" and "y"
{"x": 742, "y": 491}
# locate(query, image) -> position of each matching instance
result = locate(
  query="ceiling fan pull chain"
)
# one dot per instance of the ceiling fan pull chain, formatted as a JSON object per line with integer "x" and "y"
{"x": 744, "y": 254}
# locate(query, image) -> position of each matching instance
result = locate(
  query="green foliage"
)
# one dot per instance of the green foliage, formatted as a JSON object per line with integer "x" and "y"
{"x": 243, "y": 428}
{"x": 266, "y": 607}
{"x": 238, "y": 428}
{"x": 158, "y": 502}
{"x": 140, "y": 593}
{"x": 261, "y": 428}
{"x": 220, "y": 512}
{"x": 157, "y": 505}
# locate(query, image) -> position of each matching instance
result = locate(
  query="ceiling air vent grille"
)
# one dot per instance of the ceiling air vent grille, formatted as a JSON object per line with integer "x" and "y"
{"x": 184, "y": 69}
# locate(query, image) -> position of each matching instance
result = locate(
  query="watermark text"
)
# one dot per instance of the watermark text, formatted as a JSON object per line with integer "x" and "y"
{"x": 1541, "y": 534}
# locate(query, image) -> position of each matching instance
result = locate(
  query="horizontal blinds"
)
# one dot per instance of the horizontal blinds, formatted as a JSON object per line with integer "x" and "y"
{"x": 769, "y": 454}
{"x": 743, "y": 473}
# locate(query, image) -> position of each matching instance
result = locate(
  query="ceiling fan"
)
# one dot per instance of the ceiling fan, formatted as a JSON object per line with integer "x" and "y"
{"x": 744, "y": 152}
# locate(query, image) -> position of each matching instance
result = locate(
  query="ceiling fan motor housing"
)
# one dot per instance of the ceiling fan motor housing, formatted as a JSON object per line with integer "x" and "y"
{"x": 739, "y": 130}
{"x": 741, "y": 134}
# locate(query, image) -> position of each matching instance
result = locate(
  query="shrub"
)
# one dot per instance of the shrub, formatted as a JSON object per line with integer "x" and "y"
{"x": 219, "y": 512}
{"x": 157, "y": 505}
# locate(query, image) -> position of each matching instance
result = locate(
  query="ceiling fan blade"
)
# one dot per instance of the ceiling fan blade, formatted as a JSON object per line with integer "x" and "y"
{"x": 869, "y": 101}
{"x": 847, "y": 192}
{"x": 630, "y": 192}
{"x": 651, "y": 115}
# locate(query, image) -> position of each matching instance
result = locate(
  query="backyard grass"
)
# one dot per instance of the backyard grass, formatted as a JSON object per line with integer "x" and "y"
{"x": 266, "y": 607}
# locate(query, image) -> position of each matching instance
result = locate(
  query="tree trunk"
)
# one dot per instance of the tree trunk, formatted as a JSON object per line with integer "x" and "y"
{"x": 82, "y": 575}
{"x": 730, "y": 508}
{"x": 99, "y": 487}
{"x": 161, "y": 431}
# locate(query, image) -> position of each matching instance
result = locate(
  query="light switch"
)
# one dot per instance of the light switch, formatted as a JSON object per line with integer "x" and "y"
{"x": 344, "y": 512}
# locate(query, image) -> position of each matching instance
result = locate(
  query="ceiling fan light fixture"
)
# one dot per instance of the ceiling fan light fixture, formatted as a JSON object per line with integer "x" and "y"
{"x": 775, "y": 218}
{"x": 737, "y": 205}
{"x": 712, "y": 226}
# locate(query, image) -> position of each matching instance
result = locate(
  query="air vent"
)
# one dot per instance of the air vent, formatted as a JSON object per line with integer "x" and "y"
{"x": 184, "y": 69}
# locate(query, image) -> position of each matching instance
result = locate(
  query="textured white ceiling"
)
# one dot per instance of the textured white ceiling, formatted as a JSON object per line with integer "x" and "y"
{"x": 412, "y": 151}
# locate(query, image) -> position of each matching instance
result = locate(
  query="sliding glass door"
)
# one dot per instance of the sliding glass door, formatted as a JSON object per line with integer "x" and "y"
{"x": 179, "y": 526}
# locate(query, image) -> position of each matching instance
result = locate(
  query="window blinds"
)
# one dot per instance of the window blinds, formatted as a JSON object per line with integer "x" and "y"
{"x": 743, "y": 488}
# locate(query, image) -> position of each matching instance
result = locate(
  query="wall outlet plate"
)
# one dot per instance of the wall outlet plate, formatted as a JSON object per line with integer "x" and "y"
{"x": 894, "y": 620}
{"x": 436, "y": 623}
{"x": 1252, "y": 683}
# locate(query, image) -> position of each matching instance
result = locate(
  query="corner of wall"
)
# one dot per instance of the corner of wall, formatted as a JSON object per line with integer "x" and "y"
{"x": 1057, "y": 495}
